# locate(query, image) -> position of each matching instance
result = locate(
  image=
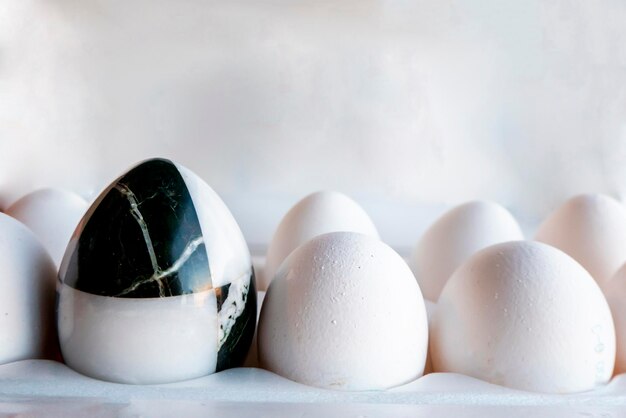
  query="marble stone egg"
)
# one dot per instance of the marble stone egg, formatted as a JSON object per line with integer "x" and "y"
{"x": 157, "y": 283}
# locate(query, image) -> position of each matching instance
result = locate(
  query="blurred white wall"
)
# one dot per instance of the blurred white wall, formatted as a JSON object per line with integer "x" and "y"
{"x": 405, "y": 105}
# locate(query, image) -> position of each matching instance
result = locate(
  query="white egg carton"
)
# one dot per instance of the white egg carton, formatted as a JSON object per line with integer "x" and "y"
{"x": 48, "y": 388}
{"x": 51, "y": 389}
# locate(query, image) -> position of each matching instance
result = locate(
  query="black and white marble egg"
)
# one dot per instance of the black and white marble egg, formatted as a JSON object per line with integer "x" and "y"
{"x": 157, "y": 283}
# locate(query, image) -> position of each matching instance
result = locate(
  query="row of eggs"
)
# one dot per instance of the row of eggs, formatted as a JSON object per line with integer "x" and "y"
{"x": 157, "y": 285}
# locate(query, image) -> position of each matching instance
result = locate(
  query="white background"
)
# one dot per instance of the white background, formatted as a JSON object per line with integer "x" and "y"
{"x": 407, "y": 106}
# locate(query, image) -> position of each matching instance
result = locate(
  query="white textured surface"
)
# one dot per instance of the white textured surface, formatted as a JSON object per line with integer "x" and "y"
{"x": 525, "y": 315}
{"x": 47, "y": 388}
{"x": 388, "y": 101}
{"x": 344, "y": 312}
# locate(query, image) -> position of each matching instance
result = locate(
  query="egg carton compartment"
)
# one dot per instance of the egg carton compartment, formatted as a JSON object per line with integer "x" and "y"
{"x": 49, "y": 388}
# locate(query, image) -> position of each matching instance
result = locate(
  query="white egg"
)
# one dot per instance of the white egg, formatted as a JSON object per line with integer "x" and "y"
{"x": 455, "y": 236}
{"x": 592, "y": 229}
{"x": 344, "y": 312}
{"x": 52, "y": 214}
{"x": 527, "y": 316}
{"x": 615, "y": 291}
{"x": 316, "y": 214}
{"x": 27, "y": 294}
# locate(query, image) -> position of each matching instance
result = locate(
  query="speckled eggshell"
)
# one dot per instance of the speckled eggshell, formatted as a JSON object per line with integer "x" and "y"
{"x": 316, "y": 214}
{"x": 527, "y": 316}
{"x": 52, "y": 214}
{"x": 344, "y": 312}
{"x": 615, "y": 291}
{"x": 455, "y": 236}
{"x": 27, "y": 292}
{"x": 592, "y": 229}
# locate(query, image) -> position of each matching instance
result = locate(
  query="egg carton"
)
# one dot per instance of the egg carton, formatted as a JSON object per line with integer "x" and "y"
{"x": 44, "y": 387}
{"x": 48, "y": 388}
{"x": 52, "y": 389}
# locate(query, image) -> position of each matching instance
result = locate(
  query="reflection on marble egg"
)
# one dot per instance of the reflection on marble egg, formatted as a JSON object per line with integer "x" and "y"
{"x": 52, "y": 214}
{"x": 527, "y": 316}
{"x": 157, "y": 283}
{"x": 454, "y": 237}
{"x": 591, "y": 229}
{"x": 344, "y": 312}
{"x": 26, "y": 295}
{"x": 316, "y": 214}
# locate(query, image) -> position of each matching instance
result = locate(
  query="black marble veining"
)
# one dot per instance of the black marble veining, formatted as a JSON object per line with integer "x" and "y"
{"x": 142, "y": 239}
{"x": 234, "y": 349}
